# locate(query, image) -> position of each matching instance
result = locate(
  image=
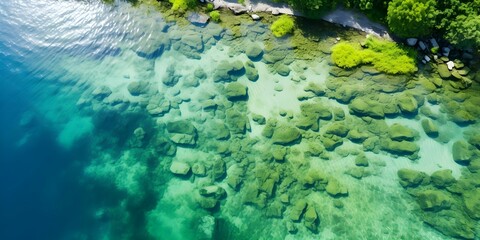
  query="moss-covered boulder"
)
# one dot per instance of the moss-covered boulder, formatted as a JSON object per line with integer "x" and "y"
{"x": 443, "y": 71}
{"x": 236, "y": 121}
{"x": 357, "y": 136}
{"x": 282, "y": 69}
{"x": 430, "y": 128}
{"x": 462, "y": 117}
{"x": 182, "y": 132}
{"x": 475, "y": 140}
{"x": 398, "y": 132}
{"x": 335, "y": 188}
{"x": 330, "y": 141}
{"x": 364, "y": 107}
{"x": 285, "y": 134}
{"x": 228, "y": 71}
{"x": 251, "y": 72}
{"x": 433, "y": 200}
{"x": 409, "y": 149}
{"x": 236, "y": 91}
{"x": 471, "y": 199}
{"x": 442, "y": 178}
{"x": 219, "y": 169}
{"x": 258, "y": 119}
{"x": 407, "y": 104}
{"x": 311, "y": 112}
{"x": 361, "y": 160}
{"x": 179, "y": 168}
{"x": 411, "y": 178}
{"x": 274, "y": 210}
{"x": 278, "y": 153}
{"x": 254, "y": 51}
{"x": 218, "y": 130}
{"x": 451, "y": 223}
{"x": 311, "y": 218}
{"x": 297, "y": 209}
{"x": 337, "y": 128}
{"x": 137, "y": 88}
{"x": 315, "y": 88}
{"x": 462, "y": 153}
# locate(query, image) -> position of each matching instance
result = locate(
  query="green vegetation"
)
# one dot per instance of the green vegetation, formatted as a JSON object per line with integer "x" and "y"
{"x": 282, "y": 26}
{"x": 312, "y": 6}
{"x": 182, "y": 5}
{"x": 215, "y": 15}
{"x": 210, "y": 7}
{"x": 464, "y": 32}
{"x": 385, "y": 56}
{"x": 411, "y": 18}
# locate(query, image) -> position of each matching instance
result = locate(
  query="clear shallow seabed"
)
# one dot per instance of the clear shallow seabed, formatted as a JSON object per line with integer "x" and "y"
{"x": 99, "y": 102}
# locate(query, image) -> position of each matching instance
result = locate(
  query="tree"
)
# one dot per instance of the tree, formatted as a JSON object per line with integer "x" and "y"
{"x": 312, "y": 5}
{"x": 411, "y": 18}
{"x": 464, "y": 32}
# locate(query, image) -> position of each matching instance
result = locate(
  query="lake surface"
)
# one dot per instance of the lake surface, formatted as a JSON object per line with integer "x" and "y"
{"x": 120, "y": 125}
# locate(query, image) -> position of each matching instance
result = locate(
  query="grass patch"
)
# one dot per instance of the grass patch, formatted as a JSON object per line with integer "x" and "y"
{"x": 384, "y": 55}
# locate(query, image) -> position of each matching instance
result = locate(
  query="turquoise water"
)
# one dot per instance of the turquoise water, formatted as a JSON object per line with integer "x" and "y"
{"x": 120, "y": 125}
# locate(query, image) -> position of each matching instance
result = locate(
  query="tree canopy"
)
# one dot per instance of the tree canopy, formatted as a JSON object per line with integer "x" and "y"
{"x": 411, "y": 18}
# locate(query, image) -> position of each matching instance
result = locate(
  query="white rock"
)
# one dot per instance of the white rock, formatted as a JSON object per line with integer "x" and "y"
{"x": 338, "y": 39}
{"x": 450, "y": 65}
{"x": 255, "y": 17}
{"x": 179, "y": 168}
{"x": 275, "y": 12}
{"x": 434, "y": 42}
{"x": 427, "y": 58}
{"x": 411, "y": 41}
{"x": 422, "y": 45}
{"x": 435, "y": 57}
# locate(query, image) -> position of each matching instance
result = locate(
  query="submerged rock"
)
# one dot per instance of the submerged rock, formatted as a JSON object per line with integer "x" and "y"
{"x": 297, "y": 210}
{"x": 364, "y": 107}
{"x": 398, "y": 132}
{"x": 311, "y": 218}
{"x": 429, "y": 127}
{"x": 236, "y": 91}
{"x": 254, "y": 51}
{"x": 411, "y": 178}
{"x": 442, "y": 178}
{"x": 179, "y": 168}
{"x": 137, "y": 88}
{"x": 401, "y": 148}
{"x": 182, "y": 132}
{"x": 285, "y": 134}
{"x": 462, "y": 154}
{"x": 433, "y": 200}
{"x": 335, "y": 189}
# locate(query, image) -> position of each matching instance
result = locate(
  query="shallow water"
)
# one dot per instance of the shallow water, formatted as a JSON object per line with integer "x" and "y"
{"x": 89, "y": 93}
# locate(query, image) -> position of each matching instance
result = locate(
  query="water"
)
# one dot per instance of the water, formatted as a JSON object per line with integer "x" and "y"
{"x": 99, "y": 102}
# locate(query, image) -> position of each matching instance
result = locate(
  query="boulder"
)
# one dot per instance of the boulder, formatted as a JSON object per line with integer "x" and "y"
{"x": 297, "y": 210}
{"x": 411, "y": 178}
{"x": 258, "y": 119}
{"x": 471, "y": 199}
{"x": 198, "y": 19}
{"x": 236, "y": 121}
{"x": 337, "y": 128}
{"x": 219, "y": 169}
{"x": 255, "y": 17}
{"x": 182, "y": 132}
{"x": 137, "y": 88}
{"x": 433, "y": 200}
{"x": 442, "y": 178}
{"x": 236, "y": 91}
{"x": 199, "y": 170}
{"x": 275, "y": 210}
{"x": 101, "y": 92}
{"x": 213, "y": 191}
{"x": 226, "y": 70}
{"x": 462, "y": 153}
{"x": 475, "y": 140}
{"x": 335, "y": 189}
{"x": 285, "y": 134}
{"x": 356, "y": 136}
{"x": 430, "y": 128}
{"x": 254, "y": 51}
{"x": 207, "y": 202}
{"x": 237, "y": 8}
{"x": 311, "y": 218}
{"x": 364, "y": 107}
{"x": 399, "y": 132}
{"x": 179, "y": 168}
{"x": 412, "y": 41}
{"x": 361, "y": 160}
{"x": 400, "y": 148}
{"x": 407, "y": 104}
{"x": 444, "y": 70}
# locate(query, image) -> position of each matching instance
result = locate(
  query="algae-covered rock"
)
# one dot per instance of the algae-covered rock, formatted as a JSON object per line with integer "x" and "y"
{"x": 212, "y": 191}
{"x": 337, "y": 128}
{"x": 330, "y": 141}
{"x": 451, "y": 223}
{"x": 462, "y": 117}
{"x": 430, "y": 128}
{"x": 218, "y": 130}
{"x": 254, "y": 51}
{"x": 411, "y": 178}
{"x": 275, "y": 210}
{"x": 433, "y": 200}
{"x": 282, "y": 69}
{"x": 182, "y": 132}
{"x": 219, "y": 169}
{"x": 407, "y": 104}
{"x": 236, "y": 121}
{"x": 251, "y": 72}
{"x": 361, "y": 160}
{"x": 278, "y": 153}
{"x": 315, "y": 88}
{"x": 234, "y": 181}
{"x": 207, "y": 202}
{"x": 311, "y": 218}
{"x": 357, "y": 136}
{"x": 199, "y": 170}
{"x": 227, "y": 71}
{"x": 236, "y": 91}
{"x": 180, "y": 168}
{"x": 363, "y": 107}
{"x": 258, "y": 118}
{"x": 335, "y": 189}
{"x": 285, "y": 134}
{"x": 462, "y": 154}
{"x": 399, "y": 132}
{"x": 296, "y": 210}
{"x": 138, "y": 87}
{"x": 400, "y": 148}
{"x": 442, "y": 178}
{"x": 475, "y": 140}
{"x": 311, "y": 112}
{"x": 443, "y": 71}
{"x": 471, "y": 199}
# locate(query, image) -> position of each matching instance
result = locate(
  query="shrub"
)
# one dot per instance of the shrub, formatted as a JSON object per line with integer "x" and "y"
{"x": 182, "y": 5}
{"x": 210, "y": 7}
{"x": 282, "y": 26}
{"x": 215, "y": 15}
{"x": 385, "y": 56}
{"x": 409, "y": 18}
